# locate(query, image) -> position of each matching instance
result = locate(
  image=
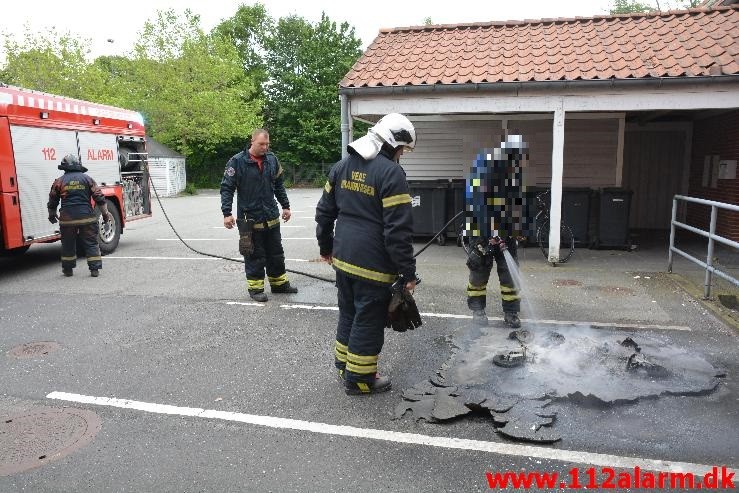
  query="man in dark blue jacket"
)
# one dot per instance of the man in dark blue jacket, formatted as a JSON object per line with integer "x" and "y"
{"x": 77, "y": 218}
{"x": 256, "y": 176}
{"x": 366, "y": 195}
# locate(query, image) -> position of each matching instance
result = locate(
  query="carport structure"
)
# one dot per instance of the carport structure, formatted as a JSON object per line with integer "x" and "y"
{"x": 648, "y": 102}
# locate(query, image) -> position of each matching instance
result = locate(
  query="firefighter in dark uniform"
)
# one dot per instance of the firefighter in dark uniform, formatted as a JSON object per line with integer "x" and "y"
{"x": 367, "y": 198}
{"x": 256, "y": 176}
{"x": 77, "y": 218}
{"x": 495, "y": 217}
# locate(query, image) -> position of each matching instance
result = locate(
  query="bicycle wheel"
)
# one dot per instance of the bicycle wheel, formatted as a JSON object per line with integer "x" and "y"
{"x": 566, "y": 242}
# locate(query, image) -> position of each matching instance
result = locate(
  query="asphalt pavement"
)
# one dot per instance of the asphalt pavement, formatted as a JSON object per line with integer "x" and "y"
{"x": 199, "y": 389}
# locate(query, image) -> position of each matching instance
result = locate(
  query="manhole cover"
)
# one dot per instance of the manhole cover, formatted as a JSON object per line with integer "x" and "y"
{"x": 34, "y": 349}
{"x": 42, "y": 435}
{"x": 566, "y": 282}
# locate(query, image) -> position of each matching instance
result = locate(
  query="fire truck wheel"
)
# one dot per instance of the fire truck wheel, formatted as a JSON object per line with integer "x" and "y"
{"x": 110, "y": 233}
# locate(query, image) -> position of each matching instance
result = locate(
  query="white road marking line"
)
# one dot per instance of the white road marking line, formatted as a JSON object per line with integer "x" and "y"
{"x": 566, "y": 323}
{"x": 281, "y": 226}
{"x": 548, "y": 453}
{"x": 310, "y": 307}
{"x": 194, "y": 258}
{"x": 225, "y": 239}
{"x": 245, "y": 303}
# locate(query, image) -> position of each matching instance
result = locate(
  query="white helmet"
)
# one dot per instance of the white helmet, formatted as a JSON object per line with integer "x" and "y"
{"x": 393, "y": 129}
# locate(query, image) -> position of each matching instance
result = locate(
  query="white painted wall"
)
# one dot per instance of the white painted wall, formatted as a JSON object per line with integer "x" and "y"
{"x": 168, "y": 175}
{"x": 446, "y": 149}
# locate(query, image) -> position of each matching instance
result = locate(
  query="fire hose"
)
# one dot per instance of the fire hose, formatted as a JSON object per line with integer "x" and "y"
{"x": 293, "y": 271}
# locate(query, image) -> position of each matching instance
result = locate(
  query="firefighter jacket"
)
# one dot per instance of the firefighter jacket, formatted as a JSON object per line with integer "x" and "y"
{"x": 75, "y": 189}
{"x": 371, "y": 206}
{"x": 495, "y": 200}
{"x": 256, "y": 189}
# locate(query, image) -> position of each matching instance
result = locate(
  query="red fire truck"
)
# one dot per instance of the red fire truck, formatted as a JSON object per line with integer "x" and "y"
{"x": 36, "y": 131}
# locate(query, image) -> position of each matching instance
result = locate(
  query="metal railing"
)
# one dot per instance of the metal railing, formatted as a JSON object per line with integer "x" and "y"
{"x": 710, "y": 234}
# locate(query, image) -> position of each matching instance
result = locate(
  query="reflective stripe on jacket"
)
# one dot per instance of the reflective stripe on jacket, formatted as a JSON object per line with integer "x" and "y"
{"x": 370, "y": 205}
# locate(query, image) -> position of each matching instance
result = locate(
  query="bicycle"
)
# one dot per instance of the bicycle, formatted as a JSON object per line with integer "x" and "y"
{"x": 566, "y": 238}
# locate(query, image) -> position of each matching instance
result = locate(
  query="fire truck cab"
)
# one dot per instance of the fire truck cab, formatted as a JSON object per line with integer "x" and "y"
{"x": 36, "y": 131}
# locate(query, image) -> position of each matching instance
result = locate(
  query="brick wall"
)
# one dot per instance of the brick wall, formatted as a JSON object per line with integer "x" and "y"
{"x": 716, "y": 135}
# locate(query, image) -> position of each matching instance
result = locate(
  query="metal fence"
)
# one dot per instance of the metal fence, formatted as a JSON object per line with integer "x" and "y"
{"x": 710, "y": 234}
{"x": 306, "y": 175}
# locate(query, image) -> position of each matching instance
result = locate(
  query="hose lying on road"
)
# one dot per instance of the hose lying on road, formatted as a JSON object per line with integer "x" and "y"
{"x": 332, "y": 281}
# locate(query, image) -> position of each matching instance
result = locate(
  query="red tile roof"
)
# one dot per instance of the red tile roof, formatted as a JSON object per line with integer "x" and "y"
{"x": 693, "y": 42}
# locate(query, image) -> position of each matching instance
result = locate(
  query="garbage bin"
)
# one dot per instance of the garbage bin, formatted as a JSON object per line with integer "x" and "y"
{"x": 576, "y": 212}
{"x": 613, "y": 218}
{"x": 454, "y": 205}
{"x": 428, "y": 201}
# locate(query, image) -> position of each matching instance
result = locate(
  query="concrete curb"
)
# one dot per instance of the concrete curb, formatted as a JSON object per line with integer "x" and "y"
{"x": 696, "y": 292}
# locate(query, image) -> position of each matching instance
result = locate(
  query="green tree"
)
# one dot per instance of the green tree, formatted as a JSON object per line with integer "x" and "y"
{"x": 628, "y": 7}
{"x": 50, "y": 62}
{"x": 305, "y": 63}
{"x": 246, "y": 30}
{"x": 192, "y": 90}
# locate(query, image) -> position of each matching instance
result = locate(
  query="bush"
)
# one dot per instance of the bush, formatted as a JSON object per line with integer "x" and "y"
{"x": 190, "y": 189}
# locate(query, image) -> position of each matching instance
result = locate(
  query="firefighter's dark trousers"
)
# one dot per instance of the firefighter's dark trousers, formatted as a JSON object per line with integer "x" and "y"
{"x": 86, "y": 229}
{"x": 479, "y": 277}
{"x": 361, "y": 329}
{"x": 267, "y": 253}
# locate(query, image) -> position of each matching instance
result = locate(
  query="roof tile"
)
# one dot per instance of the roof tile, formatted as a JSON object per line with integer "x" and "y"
{"x": 673, "y": 44}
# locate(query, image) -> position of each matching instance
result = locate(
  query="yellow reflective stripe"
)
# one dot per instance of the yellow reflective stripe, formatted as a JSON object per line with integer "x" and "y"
{"x": 476, "y": 290}
{"x": 92, "y": 259}
{"x": 475, "y": 182}
{"x": 255, "y": 283}
{"x": 361, "y": 369}
{"x": 403, "y": 198}
{"x": 328, "y": 187}
{"x": 279, "y": 170}
{"x": 363, "y": 387}
{"x": 510, "y": 297}
{"x": 69, "y": 258}
{"x": 507, "y": 289}
{"x": 269, "y": 223}
{"x": 362, "y": 272}
{"x": 75, "y": 222}
{"x": 340, "y": 351}
{"x": 359, "y": 359}
{"x": 277, "y": 281}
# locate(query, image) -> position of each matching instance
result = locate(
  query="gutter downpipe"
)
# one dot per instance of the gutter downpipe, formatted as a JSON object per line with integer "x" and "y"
{"x": 345, "y": 125}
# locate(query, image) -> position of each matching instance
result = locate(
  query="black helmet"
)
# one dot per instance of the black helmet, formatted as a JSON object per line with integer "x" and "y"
{"x": 70, "y": 162}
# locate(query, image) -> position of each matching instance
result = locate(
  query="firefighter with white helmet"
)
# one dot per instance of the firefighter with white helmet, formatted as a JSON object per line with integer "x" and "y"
{"x": 364, "y": 229}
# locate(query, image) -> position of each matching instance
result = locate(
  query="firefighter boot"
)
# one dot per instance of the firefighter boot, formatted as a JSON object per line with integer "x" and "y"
{"x": 68, "y": 272}
{"x": 479, "y": 318}
{"x": 511, "y": 320}
{"x": 94, "y": 272}
{"x": 259, "y": 296}
{"x": 381, "y": 384}
{"x": 285, "y": 288}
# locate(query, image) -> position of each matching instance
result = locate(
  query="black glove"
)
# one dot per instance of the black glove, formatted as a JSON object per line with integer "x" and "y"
{"x": 403, "y": 312}
{"x": 246, "y": 240}
{"x": 53, "y": 218}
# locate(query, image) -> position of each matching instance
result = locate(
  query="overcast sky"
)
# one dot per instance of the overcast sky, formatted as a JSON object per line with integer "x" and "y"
{"x": 100, "y": 20}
